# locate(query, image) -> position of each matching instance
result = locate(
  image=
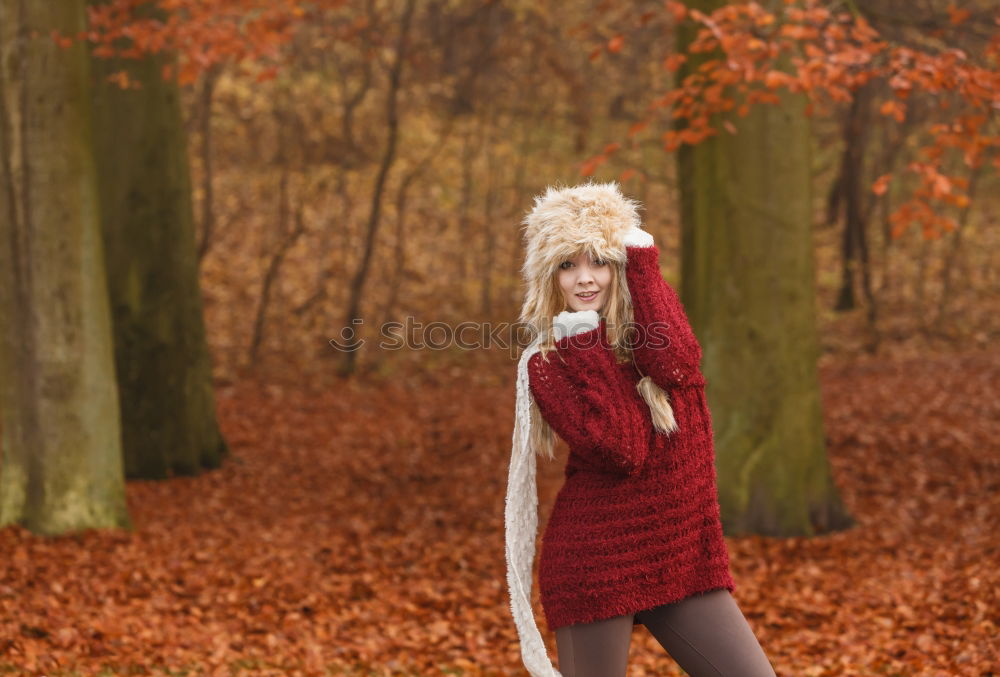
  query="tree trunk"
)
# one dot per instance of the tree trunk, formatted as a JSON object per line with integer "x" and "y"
{"x": 62, "y": 454}
{"x": 748, "y": 286}
{"x": 209, "y": 80}
{"x": 169, "y": 424}
{"x": 851, "y": 185}
{"x": 494, "y": 177}
{"x": 352, "y": 317}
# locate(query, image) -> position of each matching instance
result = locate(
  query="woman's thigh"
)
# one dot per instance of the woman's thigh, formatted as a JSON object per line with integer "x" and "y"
{"x": 598, "y": 649}
{"x": 708, "y": 636}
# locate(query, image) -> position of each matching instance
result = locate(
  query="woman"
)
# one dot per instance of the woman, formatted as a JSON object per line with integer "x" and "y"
{"x": 634, "y": 537}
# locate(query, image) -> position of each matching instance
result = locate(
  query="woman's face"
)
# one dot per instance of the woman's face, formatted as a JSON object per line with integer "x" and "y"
{"x": 581, "y": 275}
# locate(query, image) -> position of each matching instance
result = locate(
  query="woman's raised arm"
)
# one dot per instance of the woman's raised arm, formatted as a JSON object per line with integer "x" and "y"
{"x": 666, "y": 348}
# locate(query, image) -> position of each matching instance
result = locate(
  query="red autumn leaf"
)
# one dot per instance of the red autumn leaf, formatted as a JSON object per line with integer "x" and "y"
{"x": 674, "y": 61}
{"x": 637, "y": 127}
{"x": 881, "y": 184}
{"x": 893, "y": 108}
{"x": 266, "y": 74}
{"x": 63, "y": 41}
{"x": 591, "y": 165}
{"x": 677, "y": 9}
{"x": 775, "y": 79}
{"x": 956, "y": 15}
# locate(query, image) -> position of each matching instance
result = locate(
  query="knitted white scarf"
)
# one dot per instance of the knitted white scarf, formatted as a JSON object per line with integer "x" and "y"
{"x": 521, "y": 527}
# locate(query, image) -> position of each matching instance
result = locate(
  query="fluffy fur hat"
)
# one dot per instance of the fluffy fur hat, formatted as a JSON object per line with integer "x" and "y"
{"x": 591, "y": 217}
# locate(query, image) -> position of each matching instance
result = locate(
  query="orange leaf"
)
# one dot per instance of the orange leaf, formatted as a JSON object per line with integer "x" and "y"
{"x": 942, "y": 186}
{"x": 269, "y": 73}
{"x": 900, "y": 221}
{"x": 678, "y": 9}
{"x": 691, "y": 136}
{"x": 775, "y": 79}
{"x": 670, "y": 141}
{"x": 881, "y": 184}
{"x": 615, "y": 44}
{"x": 893, "y": 108}
{"x": 120, "y": 78}
{"x": 592, "y": 164}
{"x": 674, "y": 61}
{"x": 956, "y": 15}
{"x": 63, "y": 41}
{"x": 637, "y": 127}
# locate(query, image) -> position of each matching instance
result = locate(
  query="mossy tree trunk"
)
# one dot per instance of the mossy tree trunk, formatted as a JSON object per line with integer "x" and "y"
{"x": 169, "y": 423}
{"x": 62, "y": 459}
{"x": 748, "y": 286}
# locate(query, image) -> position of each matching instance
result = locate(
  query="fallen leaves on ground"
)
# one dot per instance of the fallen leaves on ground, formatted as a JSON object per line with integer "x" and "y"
{"x": 359, "y": 530}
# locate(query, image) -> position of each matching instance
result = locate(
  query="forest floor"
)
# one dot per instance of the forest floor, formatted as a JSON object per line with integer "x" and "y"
{"x": 359, "y": 531}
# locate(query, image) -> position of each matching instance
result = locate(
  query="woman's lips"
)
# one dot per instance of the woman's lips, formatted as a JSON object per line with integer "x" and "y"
{"x": 588, "y": 296}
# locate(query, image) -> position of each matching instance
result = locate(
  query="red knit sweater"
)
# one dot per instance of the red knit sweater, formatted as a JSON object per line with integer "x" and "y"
{"x": 636, "y": 522}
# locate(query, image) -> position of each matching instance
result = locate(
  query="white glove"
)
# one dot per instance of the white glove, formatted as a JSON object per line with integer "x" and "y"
{"x": 571, "y": 323}
{"x": 637, "y": 237}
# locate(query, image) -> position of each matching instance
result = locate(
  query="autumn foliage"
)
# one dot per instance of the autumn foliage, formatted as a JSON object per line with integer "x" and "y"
{"x": 202, "y": 33}
{"x": 806, "y": 47}
{"x": 746, "y": 54}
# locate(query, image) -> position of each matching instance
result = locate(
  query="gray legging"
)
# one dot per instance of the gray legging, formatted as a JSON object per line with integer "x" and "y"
{"x": 706, "y": 634}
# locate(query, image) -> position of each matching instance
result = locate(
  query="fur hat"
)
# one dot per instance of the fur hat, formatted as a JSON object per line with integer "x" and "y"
{"x": 592, "y": 217}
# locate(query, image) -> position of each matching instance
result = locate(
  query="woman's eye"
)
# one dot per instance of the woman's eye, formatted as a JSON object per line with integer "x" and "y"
{"x": 600, "y": 262}
{"x": 565, "y": 264}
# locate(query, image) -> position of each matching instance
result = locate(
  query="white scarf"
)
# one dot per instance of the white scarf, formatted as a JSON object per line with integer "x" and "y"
{"x": 521, "y": 527}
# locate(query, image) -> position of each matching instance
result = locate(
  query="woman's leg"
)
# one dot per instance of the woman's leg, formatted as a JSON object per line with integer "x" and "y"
{"x": 708, "y": 636}
{"x": 598, "y": 649}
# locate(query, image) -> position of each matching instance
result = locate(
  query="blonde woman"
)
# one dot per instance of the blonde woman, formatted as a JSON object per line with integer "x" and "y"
{"x": 634, "y": 536}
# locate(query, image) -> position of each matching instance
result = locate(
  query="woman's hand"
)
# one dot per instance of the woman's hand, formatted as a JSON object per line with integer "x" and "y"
{"x": 571, "y": 323}
{"x": 637, "y": 237}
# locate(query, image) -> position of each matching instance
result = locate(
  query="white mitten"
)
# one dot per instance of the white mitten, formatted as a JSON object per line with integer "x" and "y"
{"x": 570, "y": 323}
{"x": 637, "y": 237}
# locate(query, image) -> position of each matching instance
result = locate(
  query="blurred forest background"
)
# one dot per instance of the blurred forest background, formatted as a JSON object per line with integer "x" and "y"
{"x": 496, "y": 101}
{"x": 308, "y": 167}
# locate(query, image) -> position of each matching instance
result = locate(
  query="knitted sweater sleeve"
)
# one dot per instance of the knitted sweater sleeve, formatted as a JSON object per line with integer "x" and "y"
{"x": 583, "y": 395}
{"x": 666, "y": 348}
